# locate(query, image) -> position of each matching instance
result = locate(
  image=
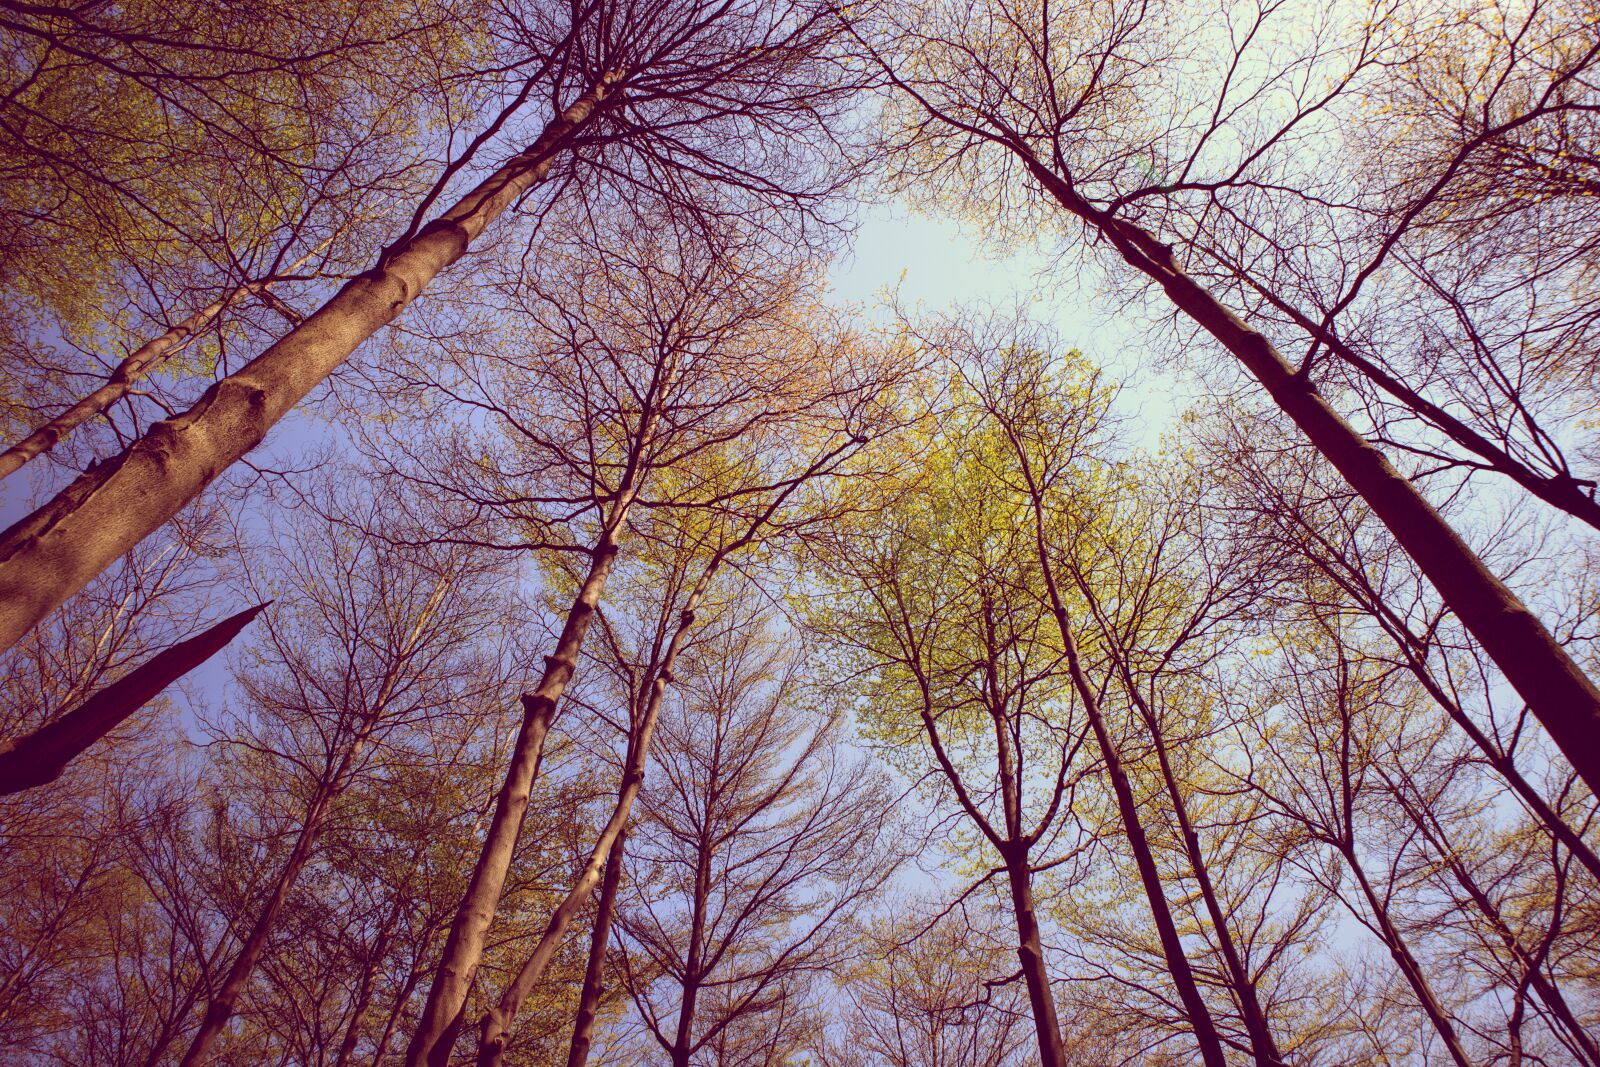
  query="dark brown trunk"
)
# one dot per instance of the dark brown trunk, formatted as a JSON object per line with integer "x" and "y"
{"x": 41, "y": 756}
{"x": 1262, "y": 1044}
{"x": 1194, "y": 1005}
{"x": 1030, "y": 953}
{"x": 594, "y": 972}
{"x": 1409, "y": 967}
{"x": 1561, "y": 696}
{"x": 54, "y": 552}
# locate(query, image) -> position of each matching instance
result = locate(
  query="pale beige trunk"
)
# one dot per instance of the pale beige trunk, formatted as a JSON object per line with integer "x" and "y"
{"x": 463, "y": 946}
{"x": 495, "y": 1027}
{"x": 51, "y": 554}
{"x": 144, "y": 359}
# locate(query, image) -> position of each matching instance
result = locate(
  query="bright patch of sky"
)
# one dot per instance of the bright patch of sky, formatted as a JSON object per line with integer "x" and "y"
{"x": 938, "y": 264}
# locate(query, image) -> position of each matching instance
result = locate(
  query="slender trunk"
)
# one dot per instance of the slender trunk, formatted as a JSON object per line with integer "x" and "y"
{"x": 1433, "y": 832}
{"x": 1409, "y": 967}
{"x": 1030, "y": 952}
{"x": 225, "y": 1001}
{"x": 144, "y": 359}
{"x": 1561, "y": 696}
{"x": 495, "y": 1026}
{"x": 1262, "y": 1044}
{"x": 1205, "y": 1030}
{"x": 463, "y": 947}
{"x": 52, "y": 553}
{"x": 1503, "y": 764}
{"x": 594, "y": 972}
{"x": 1550, "y": 993}
{"x": 683, "y": 1037}
{"x": 390, "y": 1024}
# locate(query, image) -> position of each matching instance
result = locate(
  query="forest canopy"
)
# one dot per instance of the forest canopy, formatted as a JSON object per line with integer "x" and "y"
{"x": 497, "y": 570}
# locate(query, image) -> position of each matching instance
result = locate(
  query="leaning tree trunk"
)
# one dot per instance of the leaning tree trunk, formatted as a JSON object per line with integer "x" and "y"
{"x": 495, "y": 1027}
{"x": 594, "y": 971}
{"x": 463, "y": 947}
{"x": 40, "y": 757}
{"x": 1030, "y": 953}
{"x": 1562, "y": 697}
{"x": 1205, "y": 1029}
{"x": 140, "y": 362}
{"x": 52, "y": 553}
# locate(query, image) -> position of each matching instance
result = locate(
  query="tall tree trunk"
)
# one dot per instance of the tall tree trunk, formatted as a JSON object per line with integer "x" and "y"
{"x": 463, "y": 947}
{"x": 52, "y": 553}
{"x": 1030, "y": 952}
{"x": 1262, "y": 1044}
{"x": 594, "y": 972}
{"x": 1400, "y": 952}
{"x": 1205, "y": 1030}
{"x": 1582, "y": 1043}
{"x": 1561, "y": 696}
{"x": 495, "y": 1026}
{"x": 368, "y": 981}
{"x": 693, "y": 960}
{"x": 224, "y": 1002}
{"x": 140, "y": 362}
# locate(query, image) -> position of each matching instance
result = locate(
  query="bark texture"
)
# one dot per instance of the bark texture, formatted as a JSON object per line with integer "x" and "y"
{"x": 52, "y": 553}
{"x": 1562, "y": 697}
{"x": 495, "y": 1027}
{"x": 594, "y": 971}
{"x": 463, "y": 947}
{"x": 144, "y": 359}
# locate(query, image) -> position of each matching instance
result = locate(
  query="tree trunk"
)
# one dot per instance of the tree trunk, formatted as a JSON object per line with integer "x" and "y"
{"x": 1262, "y": 1044}
{"x": 41, "y": 756}
{"x": 1030, "y": 952}
{"x": 369, "y": 978}
{"x": 144, "y": 359}
{"x": 463, "y": 948}
{"x": 1561, "y": 696}
{"x": 1409, "y": 967}
{"x": 1205, "y": 1030}
{"x": 594, "y": 972}
{"x": 693, "y": 958}
{"x": 52, "y": 553}
{"x": 225, "y": 1001}
{"x": 495, "y": 1026}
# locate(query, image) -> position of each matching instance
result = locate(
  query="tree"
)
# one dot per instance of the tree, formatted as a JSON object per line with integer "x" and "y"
{"x": 372, "y": 642}
{"x": 758, "y": 838}
{"x": 930, "y": 992}
{"x": 1019, "y": 112}
{"x": 645, "y": 98}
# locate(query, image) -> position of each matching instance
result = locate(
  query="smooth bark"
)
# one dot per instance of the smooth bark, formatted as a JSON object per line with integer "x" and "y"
{"x": 41, "y": 756}
{"x": 140, "y": 362}
{"x": 594, "y": 971}
{"x": 1400, "y": 952}
{"x": 52, "y": 553}
{"x": 1562, "y": 697}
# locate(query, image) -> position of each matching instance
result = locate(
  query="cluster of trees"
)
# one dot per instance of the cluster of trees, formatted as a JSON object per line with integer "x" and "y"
{"x": 638, "y": 656}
